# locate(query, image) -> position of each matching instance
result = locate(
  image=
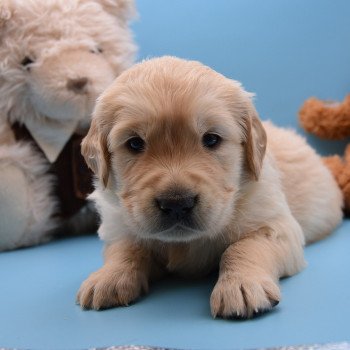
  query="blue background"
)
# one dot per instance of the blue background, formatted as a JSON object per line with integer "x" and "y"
{"x": 284, "y": 51}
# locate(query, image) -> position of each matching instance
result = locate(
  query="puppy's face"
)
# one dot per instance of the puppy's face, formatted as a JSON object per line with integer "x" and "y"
{"x": 173, "y": 141}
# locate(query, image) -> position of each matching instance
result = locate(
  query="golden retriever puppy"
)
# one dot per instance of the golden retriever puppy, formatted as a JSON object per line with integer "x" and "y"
{"x": 190, "y": 180}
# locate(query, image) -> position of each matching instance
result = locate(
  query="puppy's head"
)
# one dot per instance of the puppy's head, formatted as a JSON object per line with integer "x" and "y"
{"x": 173, "y": 141}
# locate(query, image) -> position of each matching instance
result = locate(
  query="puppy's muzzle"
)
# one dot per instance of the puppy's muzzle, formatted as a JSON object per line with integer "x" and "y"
{"x": 177, "y": 207}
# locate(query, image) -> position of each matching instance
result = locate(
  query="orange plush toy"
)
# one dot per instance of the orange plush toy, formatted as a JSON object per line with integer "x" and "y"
{"x": 329, "y": 120}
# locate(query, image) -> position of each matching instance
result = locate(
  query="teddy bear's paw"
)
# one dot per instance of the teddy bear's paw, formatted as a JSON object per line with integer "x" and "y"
{"x": 105, "y": 288}
{"x": 238, "y": 296}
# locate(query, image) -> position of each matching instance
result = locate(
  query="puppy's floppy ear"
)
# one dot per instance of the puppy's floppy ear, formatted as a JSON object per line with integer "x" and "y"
{"x": 255, "y": 141}
{"x": 125, "y": 10}
{"x": 95, "y": 151}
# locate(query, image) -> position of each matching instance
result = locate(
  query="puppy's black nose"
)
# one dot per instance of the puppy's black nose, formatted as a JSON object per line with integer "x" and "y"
{"x": 177, "y": 206}
{"x": 77, "y": 85}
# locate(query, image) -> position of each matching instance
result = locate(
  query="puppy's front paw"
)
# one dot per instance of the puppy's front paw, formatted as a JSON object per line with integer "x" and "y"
{"x": 237, "y": 296}
{"x": 105, "y": 288}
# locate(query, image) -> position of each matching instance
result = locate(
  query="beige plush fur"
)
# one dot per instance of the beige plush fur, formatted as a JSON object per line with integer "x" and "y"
{"x": 260, "y": 193}
{"x": 65, "y": 41}
{"x": 20, "y": 165}
{"x": 56, "y": 57}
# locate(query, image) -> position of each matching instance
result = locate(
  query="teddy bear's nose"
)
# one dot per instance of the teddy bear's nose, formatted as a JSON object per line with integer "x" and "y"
{"x": 77, "y": 85}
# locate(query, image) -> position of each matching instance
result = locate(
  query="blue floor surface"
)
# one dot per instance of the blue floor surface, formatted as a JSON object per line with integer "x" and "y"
{"x": 38, "y": 287}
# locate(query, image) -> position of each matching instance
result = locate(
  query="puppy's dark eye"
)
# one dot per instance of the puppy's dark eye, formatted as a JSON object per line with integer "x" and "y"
{"x": 26, "y": 61}
{"x": 135, "y": 144}
{"x": 211, "y": 140}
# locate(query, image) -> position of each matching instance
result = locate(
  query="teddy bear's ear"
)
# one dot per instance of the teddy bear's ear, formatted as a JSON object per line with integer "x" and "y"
{"x": 5, "y": 12}
{"x": 125, "y": 10}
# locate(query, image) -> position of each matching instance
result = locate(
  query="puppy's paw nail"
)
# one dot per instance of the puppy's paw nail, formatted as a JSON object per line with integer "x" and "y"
{"x": 238, "y": 297}
{"x": 104, "y": 289}
{"x": 274, "y": 302}
{"x": 237, "y": 316}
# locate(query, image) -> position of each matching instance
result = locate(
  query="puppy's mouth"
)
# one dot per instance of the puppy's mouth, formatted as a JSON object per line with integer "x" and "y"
{"x": 177, "y": 212}
{"x": 177, "y": 233}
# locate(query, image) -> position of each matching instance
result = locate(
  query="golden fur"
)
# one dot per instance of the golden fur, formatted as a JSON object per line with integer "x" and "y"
{"x": 257, "y": 198}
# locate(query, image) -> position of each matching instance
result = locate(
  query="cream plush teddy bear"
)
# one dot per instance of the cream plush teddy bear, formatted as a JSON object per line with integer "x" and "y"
{"x": 56, "y": 57}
